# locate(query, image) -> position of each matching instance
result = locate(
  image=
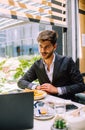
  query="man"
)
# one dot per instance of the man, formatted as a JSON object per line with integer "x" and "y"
{"x": 57, "y": 75}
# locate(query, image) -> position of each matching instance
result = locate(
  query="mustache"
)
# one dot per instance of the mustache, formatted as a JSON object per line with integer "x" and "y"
{"x": 44, "y": 53}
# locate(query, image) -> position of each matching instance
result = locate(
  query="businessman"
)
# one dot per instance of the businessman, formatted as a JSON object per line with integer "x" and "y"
{"x": 57, "y": 75}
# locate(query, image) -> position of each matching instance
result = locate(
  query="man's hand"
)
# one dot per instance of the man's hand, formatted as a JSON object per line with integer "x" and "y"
{"x": 48, "y": 88}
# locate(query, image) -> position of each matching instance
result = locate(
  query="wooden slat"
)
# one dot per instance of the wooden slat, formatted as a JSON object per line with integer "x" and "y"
{"x": 19, "y": 15}
{"x": 40, "y": 10}
{"x": 58, "y": 7}
{"x": 22, "y": 5}
{"x": 45, "y": 1}
{"x": 61, "y": 1}
{"x": 59, "y": 14}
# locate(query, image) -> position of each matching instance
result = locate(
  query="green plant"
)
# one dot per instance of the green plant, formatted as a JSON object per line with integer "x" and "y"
{"x": 1, "y": 64}
{"x": 24, "y": 65}
{"x": 59, "y": 123}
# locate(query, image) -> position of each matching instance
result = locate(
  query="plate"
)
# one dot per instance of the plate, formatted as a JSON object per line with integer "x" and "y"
{"x": 39, "y": 94}
{"x": 44, "y": 117}
{"x": 49, "y": 114}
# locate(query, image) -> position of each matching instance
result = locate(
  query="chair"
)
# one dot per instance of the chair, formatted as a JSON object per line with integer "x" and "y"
{"x": 80, "y": 97}
{"x": 83, "y": 74}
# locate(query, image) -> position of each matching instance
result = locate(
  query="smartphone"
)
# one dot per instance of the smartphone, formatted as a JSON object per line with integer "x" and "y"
{"x": 71, "y": 107}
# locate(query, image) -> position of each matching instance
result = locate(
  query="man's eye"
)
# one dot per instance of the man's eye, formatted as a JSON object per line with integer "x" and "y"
{"x": 47, "y": 47}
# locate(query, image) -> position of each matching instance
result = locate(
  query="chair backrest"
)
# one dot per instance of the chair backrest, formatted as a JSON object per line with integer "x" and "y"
{"x": 83, "y": 74}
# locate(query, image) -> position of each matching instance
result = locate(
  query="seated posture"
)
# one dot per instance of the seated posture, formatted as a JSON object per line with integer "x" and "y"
{"x": 57, "y": 75}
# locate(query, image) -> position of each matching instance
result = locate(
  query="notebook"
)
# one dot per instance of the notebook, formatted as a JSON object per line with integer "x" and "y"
{"x": 16, "y": 111}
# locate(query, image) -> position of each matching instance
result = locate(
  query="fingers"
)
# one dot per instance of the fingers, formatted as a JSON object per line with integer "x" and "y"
{"x": 38, "y": 87}
{"x": 45, "y": 88}
{"x": 48, "y": 88}
{"x": 42, "y": 87}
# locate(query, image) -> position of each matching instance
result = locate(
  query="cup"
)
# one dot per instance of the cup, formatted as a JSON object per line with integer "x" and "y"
{"x": 60, "y": 109}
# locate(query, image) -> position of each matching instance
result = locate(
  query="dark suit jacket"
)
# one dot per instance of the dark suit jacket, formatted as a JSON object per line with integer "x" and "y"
{"x": 65, "y": 74}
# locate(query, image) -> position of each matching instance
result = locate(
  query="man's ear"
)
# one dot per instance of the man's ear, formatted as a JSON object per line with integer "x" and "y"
{"x": 55, "y": 46}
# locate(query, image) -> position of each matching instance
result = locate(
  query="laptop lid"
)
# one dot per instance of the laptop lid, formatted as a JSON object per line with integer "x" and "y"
{"x": 16, "y": 111}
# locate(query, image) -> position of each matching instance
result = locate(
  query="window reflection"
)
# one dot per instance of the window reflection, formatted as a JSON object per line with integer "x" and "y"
{"x": 20, "y": 40}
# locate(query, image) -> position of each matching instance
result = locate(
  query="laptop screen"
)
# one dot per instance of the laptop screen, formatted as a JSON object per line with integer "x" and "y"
{"x": 16, "y": 110}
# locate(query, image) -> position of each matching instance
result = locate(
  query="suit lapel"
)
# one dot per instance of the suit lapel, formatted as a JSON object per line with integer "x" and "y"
{"x": 56, "y": 67}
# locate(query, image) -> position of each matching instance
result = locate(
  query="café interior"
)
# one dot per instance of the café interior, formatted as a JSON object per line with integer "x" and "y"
{"x": 27, "y": 18}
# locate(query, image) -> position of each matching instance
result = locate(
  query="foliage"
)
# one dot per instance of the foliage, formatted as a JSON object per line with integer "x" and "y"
{"x": 1, "y": 64}
{"x": 24, "y": 65}
{"x": 2, "y": 78}
{"x": 11, "y": 69}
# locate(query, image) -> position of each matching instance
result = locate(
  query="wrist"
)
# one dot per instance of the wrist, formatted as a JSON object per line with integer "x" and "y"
{"x": 56, "y": 91}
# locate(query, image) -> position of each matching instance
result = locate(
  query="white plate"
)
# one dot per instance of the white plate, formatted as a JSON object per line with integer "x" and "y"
{"x": 44, "y": 117}
{"x": 49, "y": 115}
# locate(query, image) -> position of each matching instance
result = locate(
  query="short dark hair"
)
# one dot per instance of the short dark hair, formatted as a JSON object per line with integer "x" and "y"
{"x": 48, "y": 35}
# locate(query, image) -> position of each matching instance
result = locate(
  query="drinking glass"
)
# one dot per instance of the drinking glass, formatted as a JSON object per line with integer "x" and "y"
{"x": 60, "y": 109}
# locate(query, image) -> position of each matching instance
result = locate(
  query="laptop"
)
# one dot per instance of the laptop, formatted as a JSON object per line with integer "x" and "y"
{"x": 16, "y": 111}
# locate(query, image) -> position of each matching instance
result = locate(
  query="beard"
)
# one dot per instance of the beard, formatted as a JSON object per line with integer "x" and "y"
{"x": 46, "y": 55}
